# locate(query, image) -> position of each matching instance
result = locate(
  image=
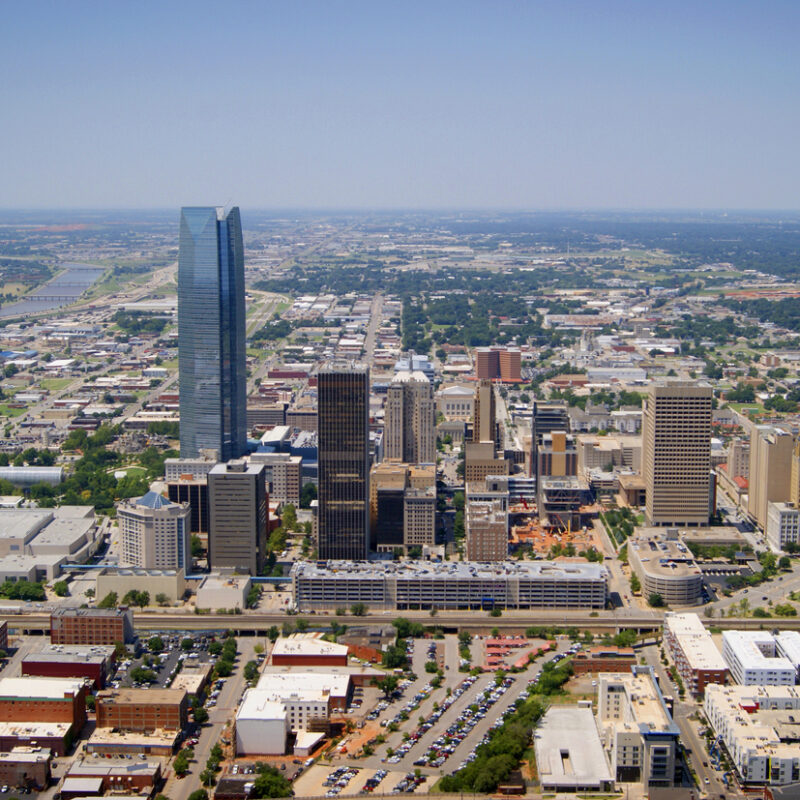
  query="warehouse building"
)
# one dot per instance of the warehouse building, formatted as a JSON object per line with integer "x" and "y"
{"x": 300, "y": 650}
{"x": 448, "y": 585}
{"x": 89, "y": 662}
{"x": 142, "y": 710}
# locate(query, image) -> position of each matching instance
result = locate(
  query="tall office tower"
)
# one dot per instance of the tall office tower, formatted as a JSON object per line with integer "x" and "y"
{"x": 770, "y": 470}
{"x": 487, "y": 530}
{"x": 676, "y": 453}
{"x": 238, "y": 516}
{"x": 484, "y": 428}
{"x": 546, "y": 419}
{"x": 410, "y": 413}
{"x": 498, "y": 362}
{"x": 211, "y": 333}
{"x": 343, "y": 463}
{"x": 155, "y": 533}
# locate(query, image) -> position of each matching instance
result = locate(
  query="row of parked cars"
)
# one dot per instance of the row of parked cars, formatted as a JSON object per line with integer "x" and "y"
{"x": 338, "y": 780}
{"x": 445, "y": 745}
{"x": 412, "y": 705}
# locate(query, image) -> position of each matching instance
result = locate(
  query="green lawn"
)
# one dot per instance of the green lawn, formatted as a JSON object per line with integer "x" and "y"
{"x": 5, "y": 411}
{"x": 55, "y": 384}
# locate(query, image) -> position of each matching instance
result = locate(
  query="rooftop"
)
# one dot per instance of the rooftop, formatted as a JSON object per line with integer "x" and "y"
{"x": 412, "y": 570}
{"x": 304, "y": 645}
{"x": 258, "y": 705}
{"x": 87, "y": 654}
{"x": 32, "y": 688}
{"x": 284, "y": 684}
{"x": 695, "y": 641}
{"x": 142, "y": 696}
{"x": 756, "y": 650}
{"x": 568, "y": 748}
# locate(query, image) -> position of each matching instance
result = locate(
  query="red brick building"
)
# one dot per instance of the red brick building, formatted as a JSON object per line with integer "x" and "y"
{"x": 142, "y": 710}
{"x": 603, "y": 659}
{"x": 4, "y": 635}
{"x": 91, "y": 626}
{"x": 43, "y": 700}
{"x": 139, "y": 777}
{"x": 90, "y": 662}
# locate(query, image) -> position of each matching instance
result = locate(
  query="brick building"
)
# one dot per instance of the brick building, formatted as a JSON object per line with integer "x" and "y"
{"x": 91, "y": 625}
{"x": 308, "y": 651}
{"x": 696, "y": 657}
{"x": 143, "y": 710}
{"x": 26, "y": 766}
{"x": 90, "y": 662}
{"x": 139, "y": 777}
{"x": 43, "y": 700}
{"x": 603, "y": 659}
{"x": 4, "y": 635}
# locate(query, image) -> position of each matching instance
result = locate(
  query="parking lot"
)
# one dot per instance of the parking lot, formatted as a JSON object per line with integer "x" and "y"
{"x": 346, "y": 781}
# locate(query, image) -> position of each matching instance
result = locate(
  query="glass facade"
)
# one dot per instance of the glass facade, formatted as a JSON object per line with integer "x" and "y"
{"x": 343, "y": 512}
{"x": 211, "y": 333}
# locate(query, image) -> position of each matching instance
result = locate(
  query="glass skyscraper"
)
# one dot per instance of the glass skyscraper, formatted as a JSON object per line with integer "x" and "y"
{"x": 211, "y": 333}
{"x": 343, "y": 425}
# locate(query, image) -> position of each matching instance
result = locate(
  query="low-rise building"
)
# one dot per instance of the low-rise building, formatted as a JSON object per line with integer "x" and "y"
{"x": 754, "y": 659}
{"x": 142, "y": 710}
{"x": 28, "y": 767}
{"x": 134, "y": 778}
{"x": 223, "y": 592}
{"x": 169, "y": 582}
{"x": 43, "y": 700}
{"x": 53, "y": 736}
{"x": 696, "y": 657}
{"x": 301, "y": 650}
{"x": 462, "y": 585}
{"x": 91, "y": 625}
{"x": 665, "y": 566}
{"x": 603, "y": 658}
{"x": 569, "y": 754}
{"x": 262, "y": 725}
{"x": 89, "y": 662}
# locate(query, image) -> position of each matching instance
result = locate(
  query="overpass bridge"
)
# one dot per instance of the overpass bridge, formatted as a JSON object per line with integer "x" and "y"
{"x": 255, "y": 623}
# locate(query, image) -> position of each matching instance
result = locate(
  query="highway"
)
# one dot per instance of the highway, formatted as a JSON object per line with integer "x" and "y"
{"x": 474, "y": 621}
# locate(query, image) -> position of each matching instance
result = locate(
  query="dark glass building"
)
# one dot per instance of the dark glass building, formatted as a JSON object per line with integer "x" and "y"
{"x": 343, "y": 424}
{"x": 211, "y": 333}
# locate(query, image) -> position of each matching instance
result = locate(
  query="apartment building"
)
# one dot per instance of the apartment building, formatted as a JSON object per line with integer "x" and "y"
{"x": 696, "y": 657}
{"x": 755, "y": 659}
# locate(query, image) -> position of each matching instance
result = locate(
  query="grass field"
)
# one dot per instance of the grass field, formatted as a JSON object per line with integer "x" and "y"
{"x": 5, "y": 411}
{"x": 55, "y": 384}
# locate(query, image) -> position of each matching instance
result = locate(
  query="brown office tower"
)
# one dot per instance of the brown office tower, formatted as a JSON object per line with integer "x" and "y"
{"x": 545, "y": 419}
{"x": 343, "y": 498}
{"x": 498, "y": 362}
{"x": 487, "y": 363}
{"x": 410, "y": 411}
{"x": 238, "y": 507}
{"x": 487, "y": 531}
{"x": 676, "y": 453}
{"x": 484, "y": 427}
{"x": 91, "y": 625}
{"x": 510, "y": 366}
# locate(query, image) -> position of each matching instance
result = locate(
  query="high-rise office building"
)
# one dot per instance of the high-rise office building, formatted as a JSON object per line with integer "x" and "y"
{"x": 546, "y": 419}
{"x": 770, "y": 481}
{"x": 502, "y": 363}
{"x": 485, "y": 420}
{"x": 155, "y": 533}
{"x": 409, "y": 423}
{"x": 238, "y": 517}
{"x": 211, "y": 333}
{"x": 676, "y": 453}
{"x": 343, "y": 463}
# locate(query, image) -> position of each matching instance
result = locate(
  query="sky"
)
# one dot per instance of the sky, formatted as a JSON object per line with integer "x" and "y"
{"x": 381, "y": 105}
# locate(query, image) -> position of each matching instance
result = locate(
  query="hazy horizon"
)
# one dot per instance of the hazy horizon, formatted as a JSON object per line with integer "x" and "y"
{"x": 363, "y": 107}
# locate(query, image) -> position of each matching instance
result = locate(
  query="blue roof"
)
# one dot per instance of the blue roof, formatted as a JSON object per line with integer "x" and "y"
{"x": 153, "y": 500}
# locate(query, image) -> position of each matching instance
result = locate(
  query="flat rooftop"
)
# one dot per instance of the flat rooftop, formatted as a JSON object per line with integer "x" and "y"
{"x": 695, "y": 641}
{"x": 285, "y": 684}
{"x": 260, "y": 706}
{"x": 647, "y": 703}
{"x": 149, "y": 697}
{"x": 72, "y": 653}
{"x": 413, "y": 570}
{"x": 568, "y": 749}
{"x": 310, "y": 645}
{"x": 33, "y": 688}
{"x": 31, "y": 731}
{"x": 756, "y": 650}
{"x": 660, "y": 555}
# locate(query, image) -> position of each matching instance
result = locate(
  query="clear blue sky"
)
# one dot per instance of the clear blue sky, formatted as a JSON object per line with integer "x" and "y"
{"x": 382, "y": 104}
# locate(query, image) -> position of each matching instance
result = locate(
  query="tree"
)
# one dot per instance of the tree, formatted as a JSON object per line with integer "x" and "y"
{"x": 162, "y": 599}
{"x": 307, "y": 494}
{"x": 358, "y": 609}
{"x": 636, "y": 584}
{"x": 156, "y": 644}
{"x": 143, "y": 675}
{"x": 655, "y": 600}
{"x": 251, "y": 670}
{"x": 200, "y": 715}
{"x": 289, "y": 517}
{"x": 109, "y": 601}
{"x": 61, "y": 589}
{"x": 198, "y": 794}
{"x": 181, "y": 766}
{"x": 207, "y": 777}
{"x": 197, "y": 546}
{"x": 431, "y": 667}
{"x": 270, "y": 783}
{"x": 785, "y": 562}
{"x": 387, "y": 684}
{"x": 187, "y": 643}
